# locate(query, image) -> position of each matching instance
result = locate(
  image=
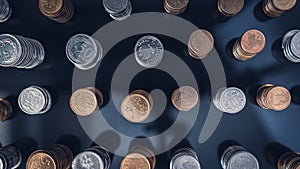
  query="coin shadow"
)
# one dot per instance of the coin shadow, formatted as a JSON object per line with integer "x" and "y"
{"x": 295, "y": 92}
{"x": 259, "y": 13}
{"x": 218, "y": 16}
{"x": 110, "y": 140}
{"x": 273, "y": 151}
{"x": 71, "y": 141}
{"x": 277, "y": 51}
{"x": 229, "y": 47}
{"x": 15, "y": 107}
{"x": 224, "y": 145}
{"x": 144, "y": 143}
{"x": 252, "y": 93}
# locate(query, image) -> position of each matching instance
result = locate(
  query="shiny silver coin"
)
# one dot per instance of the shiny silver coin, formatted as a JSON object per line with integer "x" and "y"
{"x": 185, "y": 162}
{"x": 230, "y": 100}
{"x": 115, "y": 6}
{"x": 34, "y": 100}
{"x": 243, "y": 160}
{"x": 88, "y": 160}
{"x": 10, "y": 157}
{"x": 10, "y": 50}
{"x": 295, "y": 45}
{"x": 124, "y": 14}
{"x": 291, "y": 46}
{"x": 5, "y": 11}
{"x": 148, "y": 51}
{"x": 84, "y": 51}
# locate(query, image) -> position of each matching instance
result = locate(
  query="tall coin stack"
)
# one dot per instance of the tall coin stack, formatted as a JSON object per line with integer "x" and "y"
{"x": 35, "y": 100}
{"x": 275, "y": 8}
{"x": 57, "y": 157}
{"x": 200, "y": 43}
{"x": 10, "y": 157}
{"x": 249, "y": 45}
{"x": 118, "y": 9}
{"x": 95, "y": 158}
{"x": 289, "y": 160}
{"x": 139, "y": 156}
{"x": 234, "y": 156}
{"x": 5, "y": 110}
{"x": 20, "y": 52}
{"x": 57, "y": 10}
{"x": 273, "y": 97}
{"x": 185, "y": 158}
{"x": 290, "y": 45}
{"x": 5, "y": 11}
{"x": 175, "y": 6}
{"x": 230, "y": 7}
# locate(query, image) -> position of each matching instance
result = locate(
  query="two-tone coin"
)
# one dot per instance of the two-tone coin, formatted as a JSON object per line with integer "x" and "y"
{"x": 275, "y": 8}
{"x": 185, "y": 98}
{"x": 291, "y": 45}
{"x": 118, "y": 9}
{"x": 5, "y": 11}
{"x": 175, "y": 6}
{"x": 185, "y": 158}
{"x": 200, "y": 44}
{"x": 57, "y": 10}
{"x": 230, "y": 7}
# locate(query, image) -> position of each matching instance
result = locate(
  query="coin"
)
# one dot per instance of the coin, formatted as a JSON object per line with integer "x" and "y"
{"x": 145, "y": 94}
{"x": 243, "y": 160}
{"x": 230, "y": 7}
{"x": 135, "y": 161}
{"x": 295, "y": 44}
{"x": 278, "y": 98}
{"x": 115, "y": 6}
{"x": 186, "y": 162}
{"x": 175, "y": 6}
{"x": 10, "y": 50}
{"x": 146, "y": 152}
{"x": 148, "y": 51}
{"x": 83, "y": 102}
{"x": 200, "y": 43}
{"x": 284, "y": 5}
{"x": 88, "y": 160}
{"x": 40, "y": 160}
{"x": 50, "y": 6}
{"x": 253, "y": 41}
{"x": 185, "y": 98}
{"x": 124, "y": 14}
{"x": 5, "y": 11}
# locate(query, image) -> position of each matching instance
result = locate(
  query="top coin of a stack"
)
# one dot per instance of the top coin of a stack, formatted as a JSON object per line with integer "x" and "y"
{"x": 290, "y": 45}
{"x": 148, "y": 51}
{"x": 200, "y": 43}
{"x": 146, "y": 152}
{"x": 175, "y": 6}
{"x": 136, "y": 161}
{"x": 185, "y": 158}
{"x": 185, "y": 98}
{"x": 40, "y": 159}
{"x": 58, "y": 10}
{"x": 230, "y": 7}
{"x": 86, "y": 101}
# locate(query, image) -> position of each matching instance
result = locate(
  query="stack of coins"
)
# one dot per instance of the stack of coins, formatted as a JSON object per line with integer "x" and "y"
{"x": 57, "y": 157}
{"x": 230, "y": 7}
{"x": 148, "y": 51}
{"x": 139, "y": 157}
{"x": 230, "y": 100}
{"x": 35, "y": 100}
{"x": 86, "y": 101}
{"x": 289, "y": 160}
{"x": 273, "y": 97}
{"x": 275, "y": 8}
{"x": 175, "y": 6}
{"x": 137, "y": 106}
{"x": 118, "y": 9}
{"x": 238, "y": 157}
{"x": 93, "y": 158}
{"x": 249, "y": 45}
{"x": 185, "y": 158}
{"x": 10, "y": 157}
{"x": 5, "y": 11}
{"x": 200, "y": 44}
{"x": 5, "y": 110}
{"x": 84, "y": 51}
{"x": 185, "y": 98}
{"x": 290, "y": 45}
{"x": 57, "y": 10}
{"x": 17, "y": 51}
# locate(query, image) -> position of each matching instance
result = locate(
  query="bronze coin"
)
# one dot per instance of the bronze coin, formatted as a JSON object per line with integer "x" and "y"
{"x": 230, "y": 7}
{"x": 284, "y": 5}
{"x": 135, "y": 108}
{"x": 135, "y": 161}
{"x": 83, "y": 102}
{"x": 176, "y": 4}
{"x": 39, "y": 159}
{"x": 201, "y": 42}
{"x": 146, "y": 152}
{"x": 145, "y": 94}
{"x": 185, "y": 98}
{"x": 50, "y": 6}
{"x": 278, "y": 98}
{"x": 253, "y": 41}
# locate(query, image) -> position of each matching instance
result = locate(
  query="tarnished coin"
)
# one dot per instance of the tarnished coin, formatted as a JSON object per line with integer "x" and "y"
{"x": 284, "y": 5}
{"x": 40, "y": 160}
{"x": 200, "y": 43}
{"x": 50, "y": 6}
{"x": 175, "y": 6}
{"x": 135, "y": 161}
{"x": 230, "y": 7}
{"x": 278, "y": 98}
{"x": 253, "y": 41}
{"x": 243, "y": 160}
{"x": 88, "y": 160}
{"x": 185, "y": 98}
{"x": 148, "y": 51}
{"x": 186, "y": 162}
{"x": 84, "y": 102}
{"x": 10, "y": 50}
{"x": 115, "y": 6}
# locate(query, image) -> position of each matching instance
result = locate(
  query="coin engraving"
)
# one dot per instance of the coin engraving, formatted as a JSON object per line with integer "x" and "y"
{"x": 32, "y": 100}
{"x": 232, "y": 100}
{"x": 186, "y": 162}
{"x": 135, "y": 161}
{"x": 231, "y": 7}
{"x": 284, "y": 5}
{"x": 115, "y": 6}
{"x": 177, "y": 4}
{"x": 253, "y": 41}
{"x": 51, "y": 6}
{"x": 9, "y": 50}
{"x": 279, "y": 98}
{"x": 200, "y": 43}
{"x": 83, "y": 102}
{"x": 243, "y": 160}
{"x": 87, "y": 160}
{"x": 185, "y": 98}
{"x": 40, "y": 161}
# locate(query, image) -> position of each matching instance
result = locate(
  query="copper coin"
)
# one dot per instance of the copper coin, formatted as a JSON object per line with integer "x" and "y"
{"x": 253, "y": 41}
{"x": 135, "y": 161}
{"x": 284, "y": 5}
{"x": 145, "y": 94}
{"x": 40, "y": 159}
{"x": 83, "y": 102}
{"x": 231, "y": 7}
{"x": 278, "y": 98}
{"x": 50, "y": 6}
{"x": 201, "y": 42}
{"x": 177, "y": 4}
{"x": 185, "y": 98}
{"x": 135, "y": 108}
{"x": 146, "y": 152}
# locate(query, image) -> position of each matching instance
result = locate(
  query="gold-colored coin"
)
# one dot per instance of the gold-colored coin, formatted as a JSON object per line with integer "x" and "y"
{"x": 175, "y": 6}
{"x": 200, "y": 43}
{"x": 284, "y": 5}
{"x": 230, "y": 7}
{"x": 146, "y": 152}
{"x": 185, "y": 98}
{"x": 135, "y": 161}
{"x": 40, "y": 160}
{"x": 136, "y": 108}
{"x": 145, "y": 94}
{"x": 50, "y": 6}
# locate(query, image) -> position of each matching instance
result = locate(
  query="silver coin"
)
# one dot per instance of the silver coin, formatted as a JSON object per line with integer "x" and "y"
{"x": 244, "y": 160}
{"x": 186, "y": 162}
{"x": 10, "y": 50}
{"x": 115, "y": 6}
{"x": 5, "y": 12}
{"x": 87, "y": 160}
{"x": 232, "y": 100}
{"x": 32, "y": 100}
{"x": 148, "y": 51}
{"x": 295, "y": 44}
{"x": 124, "y": 14}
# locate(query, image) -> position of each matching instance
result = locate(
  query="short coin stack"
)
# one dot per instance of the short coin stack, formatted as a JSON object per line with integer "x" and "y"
{"x": 10, "y": 157}
{"x": 20, "y": 52}
{"x": 5, "y": 110}
{"x": 230, "y": 7}
{"x": 175, "y": 6}
{"x": 57, "y": 10}
{"x": 185, "y": 98}
{"x": 200, "y": 43}
{"x": 290, "y": 45}
{"x": 118, "y": 9}
{"x": 185, "y": 158}
{"x": 5, "y": 11}
{"x": 289, "y": 160}
{"x": 139, "y": 157}
{"x": 275, "y": 8}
